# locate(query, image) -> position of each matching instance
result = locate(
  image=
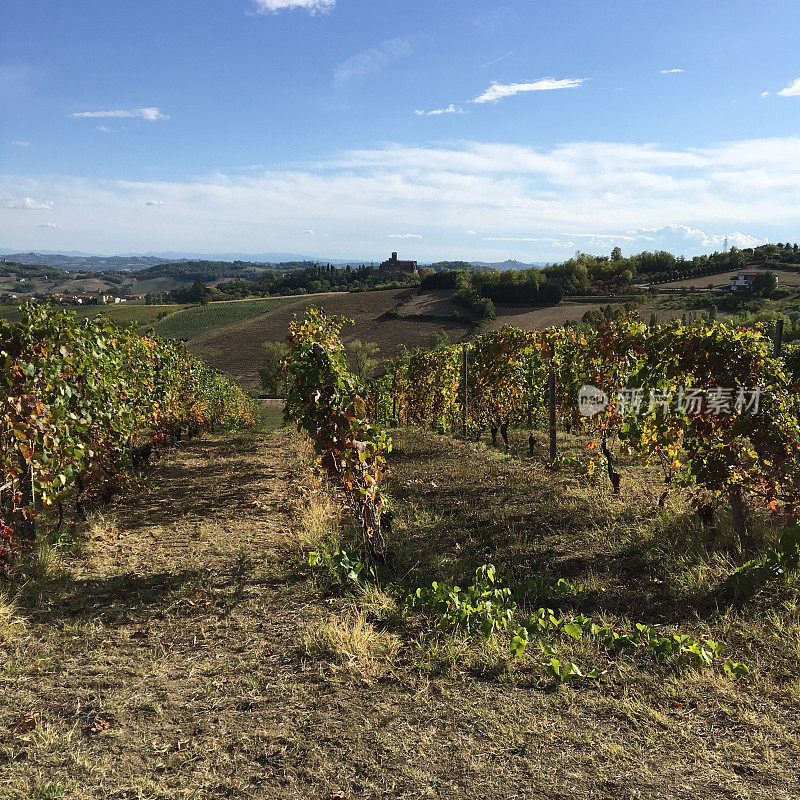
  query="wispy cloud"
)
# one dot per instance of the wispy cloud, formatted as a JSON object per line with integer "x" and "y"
{"x": 373, "y": 60}
{"x": 542, "y": 239}
{"x": 52, "y": 226}
{"x": 497, "y": 60}
{"x": 150, "y": 113}
{"x": 154, "y": 203}
{"x": 765, "y": 94}
{"x": 104, "y": 129}
{"x": 20, "y": 143}
{"x": 497, "y": 91}
{"x": 309, "y": 232}
{"x": 503, "y": 191}
{"x": 451, "y": 109}
{"x": 670, "y": 71}
{"x": 792, "y": 90}
{"x": 312, "y": 6}
{"x": 30, "y": 204}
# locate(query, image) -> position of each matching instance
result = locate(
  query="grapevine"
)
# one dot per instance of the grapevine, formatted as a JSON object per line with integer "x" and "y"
{"x": 82, "y": 403}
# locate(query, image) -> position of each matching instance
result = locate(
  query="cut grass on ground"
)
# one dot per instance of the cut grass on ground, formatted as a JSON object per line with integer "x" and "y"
{"x": 189, "y": 652}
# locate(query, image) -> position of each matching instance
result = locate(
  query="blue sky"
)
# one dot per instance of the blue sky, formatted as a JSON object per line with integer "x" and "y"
{"x": 304, "y": 126}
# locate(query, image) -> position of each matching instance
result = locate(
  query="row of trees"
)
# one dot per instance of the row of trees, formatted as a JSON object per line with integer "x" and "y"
{"x": 306, "y": 280}
{"x": 591, "y": 274}
{"x": 82, "y": 405}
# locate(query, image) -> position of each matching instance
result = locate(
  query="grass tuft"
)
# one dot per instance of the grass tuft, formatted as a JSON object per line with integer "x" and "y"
{"x": 351, "y": 642}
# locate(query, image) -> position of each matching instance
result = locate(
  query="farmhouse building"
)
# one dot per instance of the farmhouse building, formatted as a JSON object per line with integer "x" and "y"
{"x": 399, "y": 266}
{"x": 743, "y": 282}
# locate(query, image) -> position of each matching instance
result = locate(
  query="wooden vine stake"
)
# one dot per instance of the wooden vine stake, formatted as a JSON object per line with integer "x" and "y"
{"x": 551, "y": 415}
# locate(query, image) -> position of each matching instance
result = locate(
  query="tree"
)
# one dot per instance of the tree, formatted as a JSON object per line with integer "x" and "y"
{"x": 765, "y": 284}
{"x": 616, "y": 254}
{"x": 439, "y": 339}
{"x": 269, "y": 372}
{"x": 362, "y": 358}
{"x": 198, "y": 293}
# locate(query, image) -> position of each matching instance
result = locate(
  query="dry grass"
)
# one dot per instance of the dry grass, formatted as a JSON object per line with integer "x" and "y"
{"x": 12, "y": 623}
{"x": 318, "y": 519}
{"x": 351, "y": 642}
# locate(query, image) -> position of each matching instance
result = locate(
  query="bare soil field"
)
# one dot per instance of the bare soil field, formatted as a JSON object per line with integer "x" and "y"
{"x": 785, "y": 277}
{"x": 543, "y": 317}
{"x": 666, "y": 314}
{"x": 237, "y": 348}
{"x": 436, "y": 303}
{"x": 531, "y": 319}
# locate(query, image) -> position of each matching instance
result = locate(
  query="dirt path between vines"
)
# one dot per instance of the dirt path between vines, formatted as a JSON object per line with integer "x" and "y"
{"x": 168, "y": 664}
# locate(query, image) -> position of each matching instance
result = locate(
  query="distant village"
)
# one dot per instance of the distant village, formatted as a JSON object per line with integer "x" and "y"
{"x": 85, "y": 299}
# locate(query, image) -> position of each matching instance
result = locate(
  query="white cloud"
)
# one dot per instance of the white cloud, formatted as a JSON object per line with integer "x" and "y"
{"x": 150, "y": 113}
{"x": 154, "y": 202}
{"x": 104, "y": 129}
{"x": 546, "y": 239}
{"x": 50, "y": 226}
{"x": 497, "y": 91}
{"x": 792, "y": 90}
{"x": 30, "y": 204}
{"x": 373, "y": 60}
{"x": 451, "y": 109}
{"x": 20, "y": 143}
{"x": 273, "y": 6}
{"x": 594, "y": 193}
{"x": 679, "y": 239}
{"x": 405, "y": 236}
{"x": 669, "y": 71}
{"x": 497, "y": 60}
{"x": 765, "y": 94}
{"x": 309, "y": 233}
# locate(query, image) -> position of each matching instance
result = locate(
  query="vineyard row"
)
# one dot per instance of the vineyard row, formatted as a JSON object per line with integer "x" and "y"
{"x": 511, "y": 377}
{"x": 82, "y": 405}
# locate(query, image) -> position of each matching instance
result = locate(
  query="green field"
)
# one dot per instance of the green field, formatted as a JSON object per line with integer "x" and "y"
{"x": 174, "y": 321}
{"x": 122, "y": 314}
{"x": 197, "y": 320}
{"x": 140, "y": 315}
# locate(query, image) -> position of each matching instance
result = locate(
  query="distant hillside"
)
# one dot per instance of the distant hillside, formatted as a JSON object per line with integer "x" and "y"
{"x": 16, "y": 269}
{"x": 88, "y": 261}
{"x": 85, "y": 263}
{"x": 509, "y": 264}
{"x": 207, "y": 271}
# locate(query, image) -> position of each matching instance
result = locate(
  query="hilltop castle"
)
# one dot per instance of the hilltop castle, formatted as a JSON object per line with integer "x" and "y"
{"x": 399, "y": 266}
